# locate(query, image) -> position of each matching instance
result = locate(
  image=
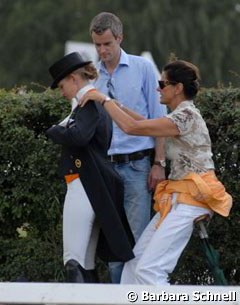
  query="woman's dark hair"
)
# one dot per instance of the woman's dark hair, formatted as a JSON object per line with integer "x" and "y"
{"x": 184, "y": 72}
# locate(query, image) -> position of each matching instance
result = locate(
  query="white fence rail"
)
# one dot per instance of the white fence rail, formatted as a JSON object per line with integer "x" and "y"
{"x": 109, "y": 294}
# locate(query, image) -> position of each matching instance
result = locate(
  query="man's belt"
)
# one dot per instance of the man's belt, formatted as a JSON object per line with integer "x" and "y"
{"x": 125, "y": 158}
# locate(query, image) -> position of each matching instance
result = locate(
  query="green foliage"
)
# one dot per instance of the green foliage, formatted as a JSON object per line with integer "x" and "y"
{"x": 37, "y": 257}
{"x": 34, "y": 33}
{"x": 31, "y": 193}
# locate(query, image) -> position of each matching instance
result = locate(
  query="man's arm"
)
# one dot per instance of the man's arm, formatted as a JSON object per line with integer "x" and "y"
{"x": 157, "y": 173}
{"x": 156, "y": 110}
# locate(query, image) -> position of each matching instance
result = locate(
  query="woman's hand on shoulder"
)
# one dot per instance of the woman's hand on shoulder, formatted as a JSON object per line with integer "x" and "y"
{"x": 92, "y": 95}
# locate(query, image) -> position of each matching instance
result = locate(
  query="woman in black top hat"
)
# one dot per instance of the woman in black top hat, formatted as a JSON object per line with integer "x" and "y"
{"x": 93, "y": 215}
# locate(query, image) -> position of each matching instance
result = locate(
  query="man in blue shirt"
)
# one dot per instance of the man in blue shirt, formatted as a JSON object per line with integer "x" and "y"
{"x": 132, "y": 81}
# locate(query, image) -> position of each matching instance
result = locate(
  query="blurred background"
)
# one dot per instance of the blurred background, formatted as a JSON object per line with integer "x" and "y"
{"x": 34, "y": 35}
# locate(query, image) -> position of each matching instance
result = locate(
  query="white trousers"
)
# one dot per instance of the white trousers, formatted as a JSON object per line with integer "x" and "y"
{"x": 80, "y": 231}
{"x": 158, "y": 250}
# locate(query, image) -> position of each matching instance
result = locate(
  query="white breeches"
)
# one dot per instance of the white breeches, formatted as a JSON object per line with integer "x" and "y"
{"x": 158, "y": 250}
{"x": 80, "y": 230}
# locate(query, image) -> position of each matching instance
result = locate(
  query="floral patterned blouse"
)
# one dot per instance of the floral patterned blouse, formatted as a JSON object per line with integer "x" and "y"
{"x": 191, "y": 150}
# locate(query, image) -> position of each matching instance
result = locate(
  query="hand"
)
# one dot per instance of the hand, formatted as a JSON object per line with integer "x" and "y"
{"x": 92, "y": 95}
{"x": 156, "y": 175}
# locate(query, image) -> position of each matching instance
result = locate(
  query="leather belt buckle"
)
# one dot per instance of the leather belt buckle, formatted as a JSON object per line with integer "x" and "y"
{"x": 126, "y": 159}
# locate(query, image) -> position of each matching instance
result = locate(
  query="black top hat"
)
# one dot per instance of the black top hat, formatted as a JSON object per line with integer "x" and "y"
{"x": 65, "y": 66}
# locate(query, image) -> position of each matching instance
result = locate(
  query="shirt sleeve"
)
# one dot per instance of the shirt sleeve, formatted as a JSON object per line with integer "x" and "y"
{"x": 152, "y": 96}
{"x": 183, "y": 119}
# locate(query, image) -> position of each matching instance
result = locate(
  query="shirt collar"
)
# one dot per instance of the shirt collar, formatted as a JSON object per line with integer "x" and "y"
{"x": 84, "y": 90}
{"x": 80, "y": 94}
{"x": 184, "y": 104}
{"x": 123, "y": 61}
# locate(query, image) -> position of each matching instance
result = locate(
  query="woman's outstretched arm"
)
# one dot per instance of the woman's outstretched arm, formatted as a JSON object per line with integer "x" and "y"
{"x": 131, "y": 122}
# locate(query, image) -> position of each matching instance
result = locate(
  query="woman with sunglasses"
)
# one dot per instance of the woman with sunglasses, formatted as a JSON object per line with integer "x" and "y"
{"x": 192, "y": 189}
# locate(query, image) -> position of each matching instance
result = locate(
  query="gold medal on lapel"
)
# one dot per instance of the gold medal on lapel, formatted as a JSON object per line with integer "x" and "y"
{"x": 78, "y": 163}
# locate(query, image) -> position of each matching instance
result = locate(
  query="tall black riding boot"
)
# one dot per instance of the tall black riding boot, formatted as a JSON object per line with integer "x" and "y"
{"x": 74, "y": 272}
{"x": 91, "y": 276}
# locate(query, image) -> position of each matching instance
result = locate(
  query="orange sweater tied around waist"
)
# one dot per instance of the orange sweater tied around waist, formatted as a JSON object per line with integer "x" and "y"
{"x": 203, "y": 190}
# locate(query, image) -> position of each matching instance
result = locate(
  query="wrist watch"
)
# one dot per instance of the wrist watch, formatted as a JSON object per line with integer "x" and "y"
{"x": 107, "y": 99}
{"x": 161, "y": 163}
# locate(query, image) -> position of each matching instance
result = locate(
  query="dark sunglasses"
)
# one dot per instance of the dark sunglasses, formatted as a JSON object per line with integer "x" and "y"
{"x": 165, "y": 83}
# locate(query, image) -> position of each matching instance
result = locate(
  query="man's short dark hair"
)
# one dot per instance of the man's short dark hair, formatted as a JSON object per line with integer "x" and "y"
{"x": 105, "y": 21}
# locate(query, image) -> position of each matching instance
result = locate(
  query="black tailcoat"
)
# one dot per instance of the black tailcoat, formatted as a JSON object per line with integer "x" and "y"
{"x": 85, "y": 142}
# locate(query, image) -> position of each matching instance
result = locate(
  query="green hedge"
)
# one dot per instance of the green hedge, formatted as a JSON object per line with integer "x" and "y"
{"x": 31, "y": 193}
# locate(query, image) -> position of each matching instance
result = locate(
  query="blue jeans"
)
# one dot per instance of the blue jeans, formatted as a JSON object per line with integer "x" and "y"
{"x": 137, "y": 202}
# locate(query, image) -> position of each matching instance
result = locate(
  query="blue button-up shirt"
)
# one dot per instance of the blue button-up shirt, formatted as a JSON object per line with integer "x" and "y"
{"x": 135, "y": 83}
